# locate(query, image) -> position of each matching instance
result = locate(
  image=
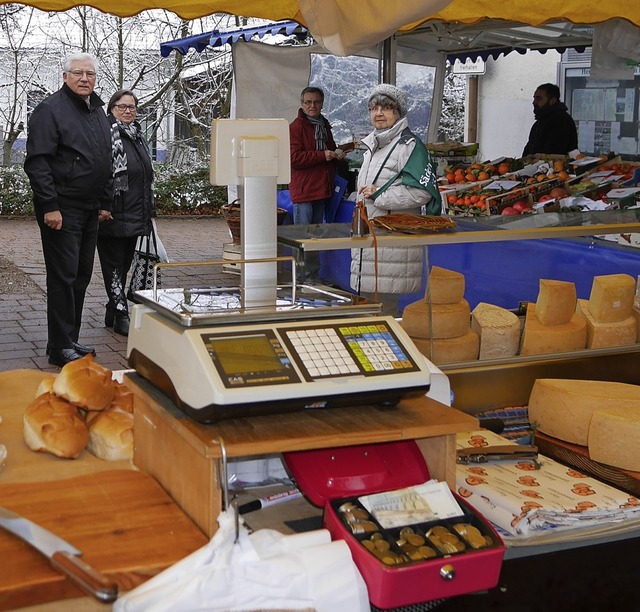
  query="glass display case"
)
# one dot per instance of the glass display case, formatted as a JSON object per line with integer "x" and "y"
{"x": 484, "y": 384}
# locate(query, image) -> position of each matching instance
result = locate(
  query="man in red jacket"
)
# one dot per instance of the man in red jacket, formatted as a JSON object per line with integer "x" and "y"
{"x": 314, "y": 158}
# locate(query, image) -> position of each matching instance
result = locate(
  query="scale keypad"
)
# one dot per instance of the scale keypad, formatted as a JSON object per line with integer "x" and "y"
{"x": 348, "y": 349}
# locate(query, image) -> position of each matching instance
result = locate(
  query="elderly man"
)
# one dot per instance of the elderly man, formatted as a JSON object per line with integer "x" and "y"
{"x": 69, "y": 167}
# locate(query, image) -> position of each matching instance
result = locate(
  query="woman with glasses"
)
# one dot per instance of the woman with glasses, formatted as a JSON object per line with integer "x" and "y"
{"x": 397, "y": 176}
{"x": 133, "y": 205}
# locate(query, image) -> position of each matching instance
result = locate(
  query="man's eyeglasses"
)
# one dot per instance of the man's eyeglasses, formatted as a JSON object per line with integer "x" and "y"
{"x": 132, "y": 108}
{"x": 312, "y": 102}
{"x": 78, "y": 73}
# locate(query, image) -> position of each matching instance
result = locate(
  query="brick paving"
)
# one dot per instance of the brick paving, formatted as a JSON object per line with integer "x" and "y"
{"x": 23, "y": 325}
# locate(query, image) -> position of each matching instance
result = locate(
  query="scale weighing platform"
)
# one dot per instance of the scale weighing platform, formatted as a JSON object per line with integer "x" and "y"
{"x": 315, "y": 348}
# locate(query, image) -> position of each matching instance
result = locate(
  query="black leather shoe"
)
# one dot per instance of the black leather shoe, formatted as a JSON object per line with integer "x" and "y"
{"x": 84, "y": 349}
{"x": 121, "y": 325}
{"x": 61, "y": 357}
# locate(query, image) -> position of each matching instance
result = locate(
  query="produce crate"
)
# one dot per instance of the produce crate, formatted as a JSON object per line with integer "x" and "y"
{"x": 497, "y": 203}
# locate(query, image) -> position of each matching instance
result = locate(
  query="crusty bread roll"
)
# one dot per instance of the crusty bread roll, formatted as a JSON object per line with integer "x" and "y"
{"x": 85, "y": 383}
{"x": 46, "y": 385}
{"x": 111, "y": 434}
{"x": 54, "y": 425}
{"x": 122, "y": 398}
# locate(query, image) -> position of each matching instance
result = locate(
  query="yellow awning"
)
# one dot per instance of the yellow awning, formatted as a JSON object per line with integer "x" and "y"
{"x": 344, "y": 29}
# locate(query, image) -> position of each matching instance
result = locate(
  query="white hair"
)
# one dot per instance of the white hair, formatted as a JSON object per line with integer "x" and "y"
{"x": 78, "y": 57}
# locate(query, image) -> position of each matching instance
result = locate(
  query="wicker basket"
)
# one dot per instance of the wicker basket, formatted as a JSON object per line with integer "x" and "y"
{"x": 232, "y": 214}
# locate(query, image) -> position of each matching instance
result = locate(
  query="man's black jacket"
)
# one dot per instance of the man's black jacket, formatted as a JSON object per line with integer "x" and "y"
{"x": 69, "y": 153}
{"x": 554, "y": 131}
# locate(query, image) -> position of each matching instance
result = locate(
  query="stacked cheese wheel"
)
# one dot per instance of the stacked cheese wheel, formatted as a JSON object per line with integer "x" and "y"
{"x": 82, "y": 407}
{"x": 602, "y": 415}
{"x": 439, "y": 324}
{"x": 551, "y": 324}
{"x": 609, "y": 311}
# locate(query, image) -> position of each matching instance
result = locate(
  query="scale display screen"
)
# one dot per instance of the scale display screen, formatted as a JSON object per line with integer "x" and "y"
{"x": 253, "y": 358}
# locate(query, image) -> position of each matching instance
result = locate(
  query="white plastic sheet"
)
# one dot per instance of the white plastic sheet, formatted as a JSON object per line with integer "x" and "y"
{"x": 265, "y": 570}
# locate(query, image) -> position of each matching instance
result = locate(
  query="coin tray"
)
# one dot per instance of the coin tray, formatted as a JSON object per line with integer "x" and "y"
{"x": 335, "y": 478}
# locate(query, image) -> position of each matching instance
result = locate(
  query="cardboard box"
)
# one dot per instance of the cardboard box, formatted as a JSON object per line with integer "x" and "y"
{"x": 334, "y": 478}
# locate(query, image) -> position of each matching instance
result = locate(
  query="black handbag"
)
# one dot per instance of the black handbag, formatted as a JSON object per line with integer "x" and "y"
{"x": 144, "y": 258}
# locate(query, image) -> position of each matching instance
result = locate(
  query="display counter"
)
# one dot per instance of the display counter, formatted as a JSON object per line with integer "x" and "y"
{"x": 502, "y": 258}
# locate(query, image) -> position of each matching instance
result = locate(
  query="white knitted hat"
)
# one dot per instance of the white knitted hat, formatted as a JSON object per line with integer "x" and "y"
{"x": 395, "y": 94}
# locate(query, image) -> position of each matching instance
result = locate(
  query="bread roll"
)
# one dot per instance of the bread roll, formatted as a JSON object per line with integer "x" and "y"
{"x": 53, "y": 425}
{"x": 46, "y": 385}
{"x": 122, "y": 398}
{"x": 111, "y": 435}
{"x": 85, "y": 383}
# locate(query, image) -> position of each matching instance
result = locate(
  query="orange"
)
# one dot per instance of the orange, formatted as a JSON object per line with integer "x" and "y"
{"x": 563, "y": 175}
{"x": 483, "y": 176}
{"x": 541, "y": 177}
{"x": 580, "y": 155}
{"x": 503, "y": 168}
{"x": 558, "y": 165}
{"x": 451, "y": 178}
{"x": 451, "y": 199}
{"x": 470, "y": 177}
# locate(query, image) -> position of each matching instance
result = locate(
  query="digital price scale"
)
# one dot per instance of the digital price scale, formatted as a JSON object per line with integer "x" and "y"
{"x": 265, "y": 347}
{"x": 321, "y": 353}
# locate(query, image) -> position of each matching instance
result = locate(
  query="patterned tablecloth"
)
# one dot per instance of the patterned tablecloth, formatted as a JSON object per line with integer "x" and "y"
{"x": 525, "y": 497}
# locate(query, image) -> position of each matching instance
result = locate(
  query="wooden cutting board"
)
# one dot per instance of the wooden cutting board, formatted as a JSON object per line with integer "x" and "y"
{"x": 122, "y": 520}
{"x": 577, "y": 457}
{"x": 125, "y": 524}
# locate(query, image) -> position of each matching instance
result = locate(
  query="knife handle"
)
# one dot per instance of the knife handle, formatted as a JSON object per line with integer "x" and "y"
{"x": 86, "y": 577}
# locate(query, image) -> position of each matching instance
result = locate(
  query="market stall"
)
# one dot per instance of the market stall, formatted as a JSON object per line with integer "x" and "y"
{"x": 182, "y": 343}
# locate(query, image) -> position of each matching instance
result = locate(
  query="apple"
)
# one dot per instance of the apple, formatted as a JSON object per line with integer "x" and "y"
{"x": 520, "y": 206}
{"x": 558, "y": 192}
{"x": 545, "y": 198}
{"x": 509, "y": 210}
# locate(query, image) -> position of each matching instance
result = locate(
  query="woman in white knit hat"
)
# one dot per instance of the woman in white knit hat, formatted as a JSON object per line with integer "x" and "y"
{"x": 397, "y": 176}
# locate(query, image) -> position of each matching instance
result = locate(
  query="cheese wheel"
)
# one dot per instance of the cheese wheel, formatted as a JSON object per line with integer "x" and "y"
{"x": 450, "y": 350}
{"x": 564, "y": 408}
{"x": 445, "y": 286}
{"x": 449, "y": 320}
{"x": 499, "y": 331}
{"x": 541, "y": 339}
{"x": 611, "y": 297}
{"x": 612, "y": 435}
{"x": 600, "y": 335}
{"x": 556, "y": 302}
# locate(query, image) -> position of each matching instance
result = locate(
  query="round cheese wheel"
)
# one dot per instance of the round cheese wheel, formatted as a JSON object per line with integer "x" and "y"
{"x": 450, "y": 350}
{"x": 449, "y": 320}
{"x": 445, "y": 286}
{"x": 611, "y": 435}
{"x": 541, "y": 339}
{"x": 563, "y": 408}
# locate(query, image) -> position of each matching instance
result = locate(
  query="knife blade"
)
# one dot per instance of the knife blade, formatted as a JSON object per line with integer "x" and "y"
{"x": 507, "y": 452}
{"x": 61, "y": 554}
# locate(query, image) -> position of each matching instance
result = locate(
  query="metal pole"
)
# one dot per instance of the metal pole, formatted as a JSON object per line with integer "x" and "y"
{"x": 389, "y": 60}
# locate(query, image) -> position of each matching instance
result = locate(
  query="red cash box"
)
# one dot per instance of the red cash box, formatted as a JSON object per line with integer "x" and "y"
{"x": 403, "y": 574}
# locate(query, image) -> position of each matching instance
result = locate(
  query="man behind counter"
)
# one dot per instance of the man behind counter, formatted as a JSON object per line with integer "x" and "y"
{"x": 554, "y": 130}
